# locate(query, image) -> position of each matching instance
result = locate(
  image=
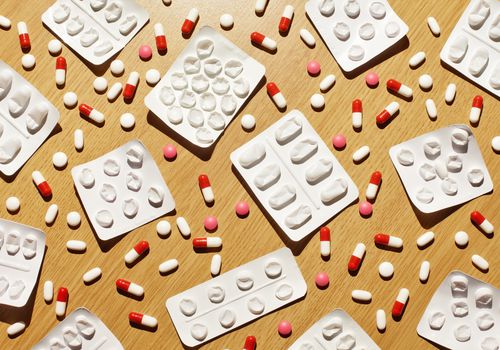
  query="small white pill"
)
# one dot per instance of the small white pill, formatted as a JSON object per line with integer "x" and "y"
{"x": 495, "y": 143}
{"x": 60, "y": 160}
{"x": 51, "y": 214}
{"x": 76, "y": 246}
{"x": 248, "y": 122}
{"x": 425, "y": 239}
{"x": 12, "y": 204}
{"x": 431, "y": 109}
{"x": 78, "y": 139}
{"x": 48, "y": 291}
{"x": 327, "y": 83}
{"x": 70, "y": 99}
{"x": 317, "y": 101}
{"x": 386, "y": 269}
{"x": 117, "y": 67}
{"x": 73, "y": 219}
{"x": 480, "y": 262}
{"x": 92, "y": 275}
{"x": 450, "y": 93}
{"x": 16, "y": 328}
{"x": 361, "y": 295}
{"x": 127, "y": 121}
{"x": 114, "y": 91}
{"x": 5, "y": 23}
{"x": 163, "y": 228}
{"x": 307, "y": 37}
{"x": 425, "y": 82}
{"x": 168, "y": 266}
{"x": 381, "y": 320}
{"x": 361, "y": 154}
{"x": 54, "y": 47}
{"x": 226, "y": 21}
{"x": 433, "y": 26}
{"x": 28, "y": 61}
{"x": 215, "y": 265}
{"x": 461, "y": 238}
{"x": 100, "y": 85}
{"x": 425, "y": 269}
{"x": 153, "y": 76}
{"x": 417, "y": 59}
{"x": 183, "y": 227}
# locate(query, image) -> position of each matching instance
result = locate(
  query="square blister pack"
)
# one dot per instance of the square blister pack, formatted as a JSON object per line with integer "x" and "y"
{"x": 21, "y": 254}
{"x": 356, "y": 31}
{"x": 122, "y": 190}
{"x": 236, "y": 297}
{"x": 27, "y": 119}
{"x": 337, "y": 330}
{"x": 80, "y": 330}
{"x": 463, "y": 314}
{"x": 441, "y": 169}
{"x": 205, "y": 88}
{"x": 473, "y": 48}
{"x": 294, "y": 175}
{"x": 95, "y": 29}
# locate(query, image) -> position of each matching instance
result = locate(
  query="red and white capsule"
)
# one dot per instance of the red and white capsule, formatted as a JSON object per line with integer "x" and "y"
{"x": 478, "y": 219}
{"x": 388, "y": 240}
{"x": 42, "y": 184}
{"x": 387, "y": 113}
{"x": 477, "y": 107}
{"x": 286, "y": 19}
{"x": 91, "y": 113}
{"x": 138, "y": 250}
{"x": 325, "y": 241}
{"x": 264, "y": 41}
{"x": 356, "y": 257}
{"x": 131, "y": 86}
{"x": 357, "y": 114}
{"x": 206, "y": 188}
{"x": 160, "y": 38}
{"x": 250, "y": 343}
{"x": 24, "y": 37}
{"x": 190, "y": 21}
{"x": 207, "y": 242}
{"x": 400, "y": 303}
{"x": 61, "y": 301}
{"x": 142, "y": 320}
{"x": 372, "y": 189}
{"x": 61, "y": 68}
{"x": 399, "y": 88}
{"x": 129, "y": 287}
{"x": 275, "y": 93}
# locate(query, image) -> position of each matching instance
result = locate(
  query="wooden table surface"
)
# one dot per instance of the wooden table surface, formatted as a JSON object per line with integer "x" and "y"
{"x": 250, "y": 238}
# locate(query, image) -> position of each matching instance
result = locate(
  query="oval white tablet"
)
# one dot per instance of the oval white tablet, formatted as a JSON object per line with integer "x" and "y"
{"x": 417, "y": 59}
{"x": 433, "y": 26}
{"x": 425, "y": 239}
{"x": 168, "y": 266}
{"x": 480, "y": 262}
{"x": 51, "y": 214}
{"x": 327, "y": 83}
{"x": 215, "y": 265}
{"x": 307, "y": 37}
{"x": 361, "y": 154}
{"x": 361, "y": 295}
{"x": 48, "y": 291}
{"x": 425, "y": 269}
{"x": 183, "y": 227}
{"x": 77, "y": 246}
{"x": 92, "y": 275}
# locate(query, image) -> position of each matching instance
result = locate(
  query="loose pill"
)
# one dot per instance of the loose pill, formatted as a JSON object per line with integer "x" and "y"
{"x": 327, "y": 83}
{"x": 190, "y": 21}
{"x": 183, "y": 227}
{"x": 275, "y": 93}
{"x": 399, "y": 88}
{"x": 73, "y": 219}
{"x": 451, "y": 91}
{"x": 168, "y": 266}
{"x": 215, "y": 265}
{"x": 285, "y": 328}
{"x": 388, "y": 241}
{"x": 5, "y": 23}
{"x": 248, "y": 122}
{"x": 61, "y": 301}
{"x": 210, "y": 223}
{"x": 169, "y": 152}
{"x": 24, "y": 37}
{"x": 160, "y": 38}
{"x": 206, "y": 188}
{"x": 361, "y": 154}
{"x": 41, "y": 184}
{"x": 136, "y": 252}
{"x": 145, "y": 52}
{"x": 317, "y": 101}
{"x": 325, "y": 245}
{"x": 264, "y": 41}
{"x": 480, "y": 262}
{"x": 373, "y": 185}
{"x": 477, "y": 107}
{"x": 322, "y": 280}
{"x": 76, "y": 246}
{"x": 131, "y": 86}
{"x": 61, "y": 68}
{"x": 425, "y": 239}
{"x": 357, "y": 114}
{"x": 361, "y": 295}
{"x": 226, "y": 21}
{"x": 70, "y": 99}
{"x": 495, "y": 144}
{"x": 339, "y": 141}
{"x": 163, "y": 228}
{"x": 91, "y": 113}
{"x": 92, "y": 275}
{"x": 12, "y": 204}
{"x": 250, "y": 343}
{"x": 207, "y": 242}
{"x": 433, "y": 26}
{"x": 478, "y": 219}
{"x": 381, "y": 320}
{"x": 114, "y": 91}
{"x": 54, "y": 47}
{"x": 127, "y": 121}
{"x": 386, "y": 270}
{"x": 417, "y": 59}
{"x": 153, "y": 76}
{"x": 129, "y": 287}
{"x": 365, "y": 208}
{"x": 431, "y": 109}
{"x": 313, "y": 68}
{"x": 48, "y": 291}
{"x": 425, "y": 269}
{"x": 143, "y": 320}
{"x": 100, "y": 85}
{"x": 400, "y": 303}
{"x": 16, "y": 328}
{"x": 425, "y": 82}
{"x": 286, "y": 19}
{"x": 60, "y": 160}
{"x": 28, "y": 61}
{"x": 78, "y": 139}
{"x": 461, "y": 238}
{"x": 260, "y": 6}
{"x": 242, "y": 209}
{"x": 356, "y": 257}
{"x": 307, "y": 37}
{"x": 117, "y": 67}
{"x": 372, "y": 79}
{"x": 387, "y": 113}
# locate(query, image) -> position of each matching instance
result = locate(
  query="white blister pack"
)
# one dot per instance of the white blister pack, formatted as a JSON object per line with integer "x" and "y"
{"x": 236, "y": 297}
{"x": 337, "y": 330}
{"x": 122, "y": 190}
{"x": 27, "y": 119}
{"x": 473, "y": 48}
{"x": 463, "y": 314}
{"x": 442, "y": 169}
{"x": 294, "y": 175}
{"x": 80, "y": 330}
{"x": 21, "y": 254}
{"x": 95, "y": 29}
{"x": 205, "y": 88}
{"x": 356, "y": 31}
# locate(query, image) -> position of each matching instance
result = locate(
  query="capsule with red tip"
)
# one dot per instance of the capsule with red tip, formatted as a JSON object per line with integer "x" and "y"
{"x": 399, "y": 88}
{"x": 142, "y": 320}
{"x": 207, "y": 242}
{"x": 478, "y": 219}
{"x": 400, "y": 303}
{"x": 372, "y": 189}
{"x": 131, "y": 85}
{"x": 206, "y": 188}
{"x": 357, "y": 114}
{"x": 264, "y": 41}
{"x": 275, "y": 93}
{"x": 250, "y": 343}
{"x": 477, "y": 107}
{"x": 134, "y": 253}
{"x": 42, "y": 184}
{"x": 129, "y": 287}
{"x": 388, "y": 240}
{"x": 387, "y": 113}
{"x": 61, "y": 68}
{"x": 286, "y": 19}
{"x": 190, "y": 21}
{"x": 161, "y": 39}
{"x": 24, "y": 37}
{"x": 325, "y": 245}
{"x": 91, "y": 113}
{"x": 61, "y": 301}
{"x": 356, "y": 257}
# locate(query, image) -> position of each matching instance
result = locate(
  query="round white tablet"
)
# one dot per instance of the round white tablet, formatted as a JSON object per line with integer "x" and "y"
{"x": 73, "y": 219}
{"x": 461, "y": 238}
{"x": 54, "y": 47}
{"x": 153, "y": 77}
{"x": 60, "y": 160}
{"x": 100, "y": 84}
{"x": 127, "y": 121}
{"x": 248, "y": 122}
{"x": 163, "y": 228}
{"x": 117, "y": 67}
{"x": 317, "y": 101}
{"x": 495, "y": 143}
{"x": 226, "y": 21}
{"x": 13, "y": 204}
{"x": 70, "y": 99}
{"x": 386, "y": 269}
{"x": 425, "y": 82}
{"x": 28, "y": 61}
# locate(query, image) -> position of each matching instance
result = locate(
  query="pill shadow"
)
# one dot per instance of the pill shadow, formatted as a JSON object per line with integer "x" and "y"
{"x": 77, "y": 252}
{"x": 388, "y": 122}
{"x": 263, "y": 11}
{"x": 456, "y": 72}
{"x": 213, "y": 230}
{"x": 407, "y": 99}
{"x": 138, "y": 260}
{"x": 169, "y": 272}
{"x": 426, "y": 246}
{"x": 391, "y": 249}
{"x": 362, "y": 302}
{"x": 93, "y": 281}
{"x": 265, "y": 49}
{"x": 130, "y": 296}
{"x": 388, "y": 278}
{"x": 143, "y": 328}
{"x": 207, "y": 250}
{"x": 462, "y": 247}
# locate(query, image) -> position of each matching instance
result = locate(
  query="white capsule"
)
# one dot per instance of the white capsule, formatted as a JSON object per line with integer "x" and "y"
{"x": 425, "y": 239}
{"x": 260, "y": 6}
{"x": 307, "y": 37}
{"x": 76, "y": 246}
{"x": 425, "y": 269}
{"x": 16, "y": 328}
{"x": 361, "y": 295}
{"x": 168, "y": 266}
{"x": 183, "y": 227}
{"x": 327, "y": 83}
{"x": 78, "y": 139}
{"x": 433, "y": 26}
{"x": 92, "y": 275}
{"x": 361, "y": 154}
{"x": 431, "y": 109}
{"x": 480, "y": 262}
{"x": 381, "y": 320}
{"x": 48, "y": 291}
{"x": 51, "y": 214}
{"x": 215, "y": 265}
{"x": 450, "y": 93}
{"x": 114, "y": 91}
{"x": 417, "y": 59}
{"x": 4, "y": 22}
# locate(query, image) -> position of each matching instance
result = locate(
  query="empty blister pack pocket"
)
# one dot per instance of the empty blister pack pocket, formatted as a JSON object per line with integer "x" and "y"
{"x": 473, "y": 48}
{"x": 205, "y": 87}
{"x": 95, "y": 29}
{"x": 441, "y": 169}
{"x": 80, "y": 330}
{"x": 294, "y": 175}
{"x": 122, "y": 190}
{"x": 462, "y": 314}
{"x": 21, "y": 254}
{"x": 26, "y": 119}
{"x": 356, "y": 31}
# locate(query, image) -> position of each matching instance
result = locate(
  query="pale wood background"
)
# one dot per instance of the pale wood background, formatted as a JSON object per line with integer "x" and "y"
{"x": 247, "y": 239}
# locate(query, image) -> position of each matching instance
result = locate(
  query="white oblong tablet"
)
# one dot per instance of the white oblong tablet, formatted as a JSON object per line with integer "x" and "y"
{"x": 78, "y": 139}
{"x": 451, "y": 91}
{"x": 168, "y": 266}
{"x": 183, "y": 227}
{"x": 361, "y": 295}
{"x": 431, "y": 109}
{"x": 51, "y": 214}
{"x": 215, "y": 265}
{"x": 361, "y": 154}
{"x": 76, "y": 246}
{"x": 48, "y": 291}
{"x": 425, "y": 239}
{"x": 327, "y": 83}
{"x": 16, "y": 328}
{"x": 92, "y": 275}
{"x": 381, "y": 320}
{"x": 433, "y": 26}
{"x": 425, "y": 269}
{"x": 417, "y": 59}
{"x": 480, "y": 262}
{"x": 307, "y": 37}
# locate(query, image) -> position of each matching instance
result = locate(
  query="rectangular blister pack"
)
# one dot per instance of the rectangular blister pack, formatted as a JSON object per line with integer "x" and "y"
{"x": 122, "y": 190}
{"x": 356, "y": 31}
{"x": 294, "y": 175}
{"x": 236, "y": 297}
{"x": 463, "y": 314}
{"x": 80, "y": 330}
{"x": 21, "y": 254}
{"x": 95, "y": 29}
{"x": 337, "y": 330}
{"x": 205, "y": 88}
{"x": 473, "y": 48}
{"x": 27, "y": 119}
{"x": 441, "y": 169}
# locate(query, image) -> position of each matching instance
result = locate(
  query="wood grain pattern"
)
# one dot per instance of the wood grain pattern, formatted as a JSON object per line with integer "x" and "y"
{"x": 247, "y": 239}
